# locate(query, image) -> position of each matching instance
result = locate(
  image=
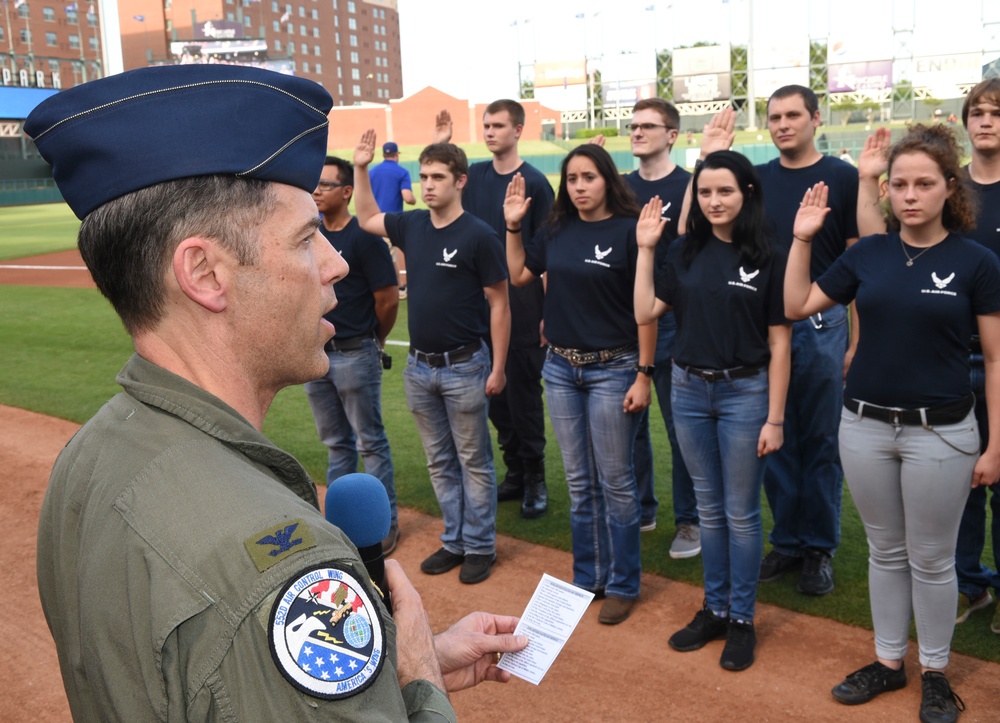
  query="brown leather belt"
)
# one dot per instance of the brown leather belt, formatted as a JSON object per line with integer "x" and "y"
{"x": 579, "y": 358}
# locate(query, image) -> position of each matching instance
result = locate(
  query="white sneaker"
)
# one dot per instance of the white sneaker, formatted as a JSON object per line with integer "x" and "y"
{"x": 687, "y": 542}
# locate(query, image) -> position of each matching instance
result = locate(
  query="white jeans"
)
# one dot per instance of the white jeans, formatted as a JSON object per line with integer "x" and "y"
{"x": 910, "y": 485}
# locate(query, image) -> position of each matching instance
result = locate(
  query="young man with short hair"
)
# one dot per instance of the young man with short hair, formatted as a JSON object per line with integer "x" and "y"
{"x": 518, "y": 414}
{"x": 804, "y": 480}
{"x": 347, "y": 401}
{"x": 458, "y": 298}
{"x": 653, "y": 132}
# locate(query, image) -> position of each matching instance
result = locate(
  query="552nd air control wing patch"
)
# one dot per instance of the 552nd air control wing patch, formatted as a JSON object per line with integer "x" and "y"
{"x": 325, "y": 633}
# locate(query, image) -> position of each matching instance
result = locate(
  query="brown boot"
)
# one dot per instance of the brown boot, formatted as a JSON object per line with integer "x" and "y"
{"x": 615, "y": 610}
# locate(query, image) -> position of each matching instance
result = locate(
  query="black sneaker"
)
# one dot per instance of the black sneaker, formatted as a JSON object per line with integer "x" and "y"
{"x": 863, "y": 685}
{"x": 706, "y": 627}
{"x": 817, "y": 574}
{"x": 512, "y": 487}
{"x": 536, "y": 496}
{"x": 476, "y": 568}
{"x": 775, "y": 564}
{"x": 441, "y": 561}
{"x": 939, "y": 703}
{"x": 741, "y": 639}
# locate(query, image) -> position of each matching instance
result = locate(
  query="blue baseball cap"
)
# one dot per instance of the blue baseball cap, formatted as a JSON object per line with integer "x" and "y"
{"x": 115, "y": 135}
{"x": 389, "y": 147}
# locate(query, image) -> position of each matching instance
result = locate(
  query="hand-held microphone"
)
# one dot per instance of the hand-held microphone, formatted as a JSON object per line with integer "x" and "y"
{"x": 358, "y": 504}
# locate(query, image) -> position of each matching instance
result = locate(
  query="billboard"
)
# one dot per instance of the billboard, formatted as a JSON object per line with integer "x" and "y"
{"x": 848, "y": 77}
{"x": 218, "y": 29}
{"x": 769, "y": 80}
{"x": 563, "y": 73}
{"x": 947, "y": 71}
{"x": 786, "y": 52}
{"x": 572, "y": 97}
{"x": 702, "y": 88}
{"x": 627, "y": 93}
{"x": 700, "y": 61}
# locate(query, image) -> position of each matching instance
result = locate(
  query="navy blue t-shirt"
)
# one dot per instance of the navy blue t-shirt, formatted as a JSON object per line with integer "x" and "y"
{"x": 723, "y": 307}
{"x": 591, "y": 270}
{"x": 447, "y": 269}
{"x": 371, "y": 270}
{"x": 914, "y": 345}
{"x": 987, "y": 230}
{"x": 671, "y": 189}
{"x": 483, "y": 197}
{"x": 783, "y": 192}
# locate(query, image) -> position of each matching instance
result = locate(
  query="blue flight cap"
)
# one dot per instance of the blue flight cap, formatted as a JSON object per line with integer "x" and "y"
{"x": 118, "y": 134}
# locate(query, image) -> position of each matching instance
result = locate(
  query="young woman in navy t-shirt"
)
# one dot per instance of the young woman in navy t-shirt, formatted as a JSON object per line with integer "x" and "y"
{"x": 732, "y": 360}
{"x": 598, "y": 367}
{"x": 908, "y": 436}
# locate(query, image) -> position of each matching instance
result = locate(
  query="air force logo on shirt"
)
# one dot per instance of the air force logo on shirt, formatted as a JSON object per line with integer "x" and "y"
{"x": 940, "y": 284}
{"x": 448, "y": 256}
{"x": 745, "y": 279}
{"x": 325, "y": 633}
{"x": 599, "y": 255}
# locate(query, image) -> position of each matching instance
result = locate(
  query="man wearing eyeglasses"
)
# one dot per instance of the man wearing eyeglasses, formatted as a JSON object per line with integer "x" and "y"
{"x": 347, "y": 401}
{"x": 653, "y": 132}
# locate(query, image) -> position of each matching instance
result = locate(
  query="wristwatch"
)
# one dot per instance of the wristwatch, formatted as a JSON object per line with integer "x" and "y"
{"x": 646, "y": 369}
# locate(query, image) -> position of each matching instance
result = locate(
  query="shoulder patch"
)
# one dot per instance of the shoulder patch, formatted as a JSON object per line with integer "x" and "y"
{"x": 325, "y": 633}
{"x": 269, "y": 547}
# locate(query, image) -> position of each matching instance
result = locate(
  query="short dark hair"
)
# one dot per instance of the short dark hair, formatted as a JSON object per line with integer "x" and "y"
{"x": 620, "y": 199}
{"x": 513, "y": 108}
{"x": 127, "y": 243}
{"x": 808, "y": 97}
{"x": 345, "y": 171}
{"x": 448, "y": 154}
{"x": 671, "y": 118}
{"x": 749, "y": 237}
{"x": 988, "y": 90}
{"x": 939, "y": 143}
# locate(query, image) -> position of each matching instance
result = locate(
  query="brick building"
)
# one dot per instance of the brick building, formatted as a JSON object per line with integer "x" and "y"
{"x": 49, "y": 43}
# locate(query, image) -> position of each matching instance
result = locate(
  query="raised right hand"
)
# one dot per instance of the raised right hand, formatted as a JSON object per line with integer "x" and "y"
{"x": 515, "y": 204}
{"x": 650, "y": 227}
{"x": 364, "y": 152}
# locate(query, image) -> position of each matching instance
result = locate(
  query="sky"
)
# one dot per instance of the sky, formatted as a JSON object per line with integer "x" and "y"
{"x": 471, "y": 48}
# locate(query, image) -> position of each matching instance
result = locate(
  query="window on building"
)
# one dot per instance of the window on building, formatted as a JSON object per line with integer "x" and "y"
{"x": 277, "y": 45}
{"x": 305, "y": 66}
{"x": 74, "y": 41}
{"x": 354, "y": 57}
{"x": 340, "y": 72}
{"x": 24, "y": 11}
{"x": 230, "y": 17}
{"x": 336, "y": 21}
{"x": 302, "y": 30}
{"x": 315, "y": 14}
{"x": 274, "y": 6}
{"x": 50, "y": 39}
{"x": 71, "y": 17}
{"x": 290, "y": 29}
{"x": 352, "y": 24}
{"x": 340, "y": 88}
{"x": 319, "y": 69}
{"x": 276, "y": 26}
{"x": 338, "y": 55}
{"x": 53, "y": 66}
{"x": 315, "y": 32}
{"x": 356, "y": 90}
{"x": 353, "y": 41}
{"x": 91, "y": 19}
{"x": 336, "y": 38}
{"x": 93, "y": 43}
{"x": 246, "y": 21}
{"x": 305, "y": 49}
{"x": 302, "y": 11}
{"x": 2, "y": 36}
{"x": 355, "y": 74}
{"x": 48, "y": 14}
{"x": 351, "y": 7}
{"x": 25, "y": 35}
{"x": 316, "y": 51}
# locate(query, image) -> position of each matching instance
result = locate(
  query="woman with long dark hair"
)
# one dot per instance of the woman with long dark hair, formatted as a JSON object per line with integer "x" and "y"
{"x": 732, "y": 360}
{"x": 598, "y": 366}
{"x": 909, "y": 441}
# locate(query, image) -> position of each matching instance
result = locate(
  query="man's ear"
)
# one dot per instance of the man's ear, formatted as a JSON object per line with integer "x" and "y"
{"x": 201, "y": 269}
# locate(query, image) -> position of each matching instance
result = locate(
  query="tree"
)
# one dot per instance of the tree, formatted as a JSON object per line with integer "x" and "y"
{"x": 527, "y": 90}
{"x": 848, "y": 105}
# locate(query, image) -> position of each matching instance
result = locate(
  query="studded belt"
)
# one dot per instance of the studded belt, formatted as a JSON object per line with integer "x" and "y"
{"x": 580, "y": 358}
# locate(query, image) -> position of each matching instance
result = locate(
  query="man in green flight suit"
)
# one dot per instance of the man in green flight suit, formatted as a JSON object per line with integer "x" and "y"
{"x": 185, "y": 570}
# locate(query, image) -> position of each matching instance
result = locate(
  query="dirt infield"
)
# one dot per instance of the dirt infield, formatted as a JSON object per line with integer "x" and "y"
{"x": 65, "y": 268}
{"x": 621, "y": 673}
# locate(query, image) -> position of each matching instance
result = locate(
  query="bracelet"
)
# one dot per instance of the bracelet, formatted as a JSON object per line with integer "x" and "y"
{"x": 803, "y": 240}
{"x": 513, "y": 230}
{"x": 775, "y": 424}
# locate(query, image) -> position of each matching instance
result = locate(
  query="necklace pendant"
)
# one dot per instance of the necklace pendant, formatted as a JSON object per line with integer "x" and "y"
{"x": 909, "y": 262}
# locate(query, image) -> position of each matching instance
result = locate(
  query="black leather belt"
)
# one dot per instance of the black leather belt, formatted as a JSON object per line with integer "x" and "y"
{"x": 719, "y": 375}
{"x": 975, "y": 345}
{"x": 455, "y": 356}
{"x": 579, "y": 358}
{"x": 350, "y": 344}
{"x": 950, "y": 413}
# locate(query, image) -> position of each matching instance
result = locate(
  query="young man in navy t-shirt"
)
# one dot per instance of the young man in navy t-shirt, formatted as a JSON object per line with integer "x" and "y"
{"x": 653, "y": 132}
{"x": 518, "y": 413}
{"x": 804, "y": 479}
{"x": 458, "y": 298}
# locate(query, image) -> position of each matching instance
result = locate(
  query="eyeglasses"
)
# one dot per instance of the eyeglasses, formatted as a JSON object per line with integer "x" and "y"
{"x": 328, "y": 185}
{"x": 645, "y": 127}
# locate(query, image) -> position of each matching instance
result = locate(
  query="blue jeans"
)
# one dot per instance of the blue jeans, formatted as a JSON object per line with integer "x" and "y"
{"x": 973, "y": 576}
{"x": 450, "y": 407}
{"x": 682, "y": 486}
{"x": 718, "y": 425}
{"x": 804, "y": 480}
{"x": 347, "y": 407}
{"x": 596, "y": 438}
